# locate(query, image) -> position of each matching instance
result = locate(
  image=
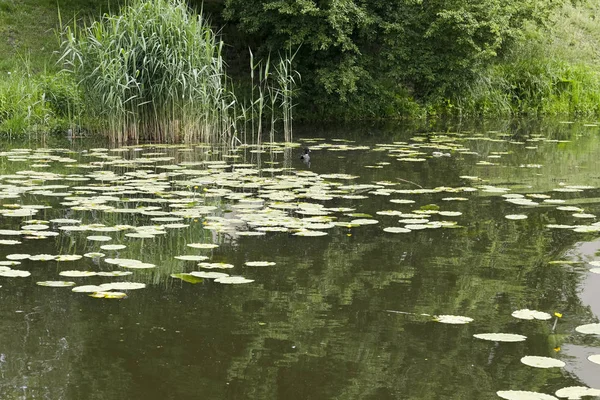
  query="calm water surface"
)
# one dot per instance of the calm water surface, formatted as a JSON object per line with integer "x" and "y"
{"x": 347, "y": 315}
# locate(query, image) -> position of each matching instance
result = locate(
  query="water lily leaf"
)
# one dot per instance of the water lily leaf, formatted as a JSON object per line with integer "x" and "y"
{"x": 114, "y": 273}
{"x": 515, "y": 217}
{"x": 595, "y": 358}
{"x": 394, "y": 229}
{"x": 233, "y": 280}
{"x": 68, "y": 257}
{"x": 42, "y": 257}
{"x": 56, "y": 283}
{"x": 208, "y": 274}
{"x": 113, "y": 247}
{"x": 108, "y": 295}
{"x": 192, "y": 258}
{"x": 87, "y": 289}
{"x": 364, "y": 221}
{"x": 523, "y": 395}
{"x": 589, "y": 329}
{"x": 122, "y": 286}
{"x": 15, "y": 273}
{"x": 77, "y": 274}
{"x": 203, "y": 245}
{"x": 453, "y": 319}
{"x": 576, "y": 392}
{"x": 531, "y": 314}
{"x": 99, "y": 238}
{"x": 310, "y": 233}
{"x": 542, "y": 362}
{"x": 94, "y": 255}
{"x": 501, "y": 337}
{"x": 188, "y": 278}
{"x": 18, "y": 256}
{"x": 259, "y": 263}
{"x": 215, "y": 265}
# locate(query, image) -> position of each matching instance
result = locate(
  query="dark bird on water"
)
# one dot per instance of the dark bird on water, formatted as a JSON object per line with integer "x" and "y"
{"x": 306, "y": 156}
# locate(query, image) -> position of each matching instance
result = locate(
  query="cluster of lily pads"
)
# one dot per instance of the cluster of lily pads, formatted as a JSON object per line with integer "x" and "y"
{"x": 571, "y": 392}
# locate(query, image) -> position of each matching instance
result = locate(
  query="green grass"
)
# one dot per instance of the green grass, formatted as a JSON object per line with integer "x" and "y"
{"x": 28, "y": 29}
{"x": 553, "y": 70}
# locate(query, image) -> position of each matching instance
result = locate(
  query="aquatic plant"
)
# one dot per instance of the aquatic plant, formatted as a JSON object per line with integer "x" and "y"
{"x": 154, "y": 72}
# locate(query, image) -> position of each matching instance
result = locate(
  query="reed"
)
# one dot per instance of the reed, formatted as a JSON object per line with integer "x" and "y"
{"x": 154, "y": 72}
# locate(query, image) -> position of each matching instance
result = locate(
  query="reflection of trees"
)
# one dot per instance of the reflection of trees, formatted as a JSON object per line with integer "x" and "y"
{"x": 315, "y": 325}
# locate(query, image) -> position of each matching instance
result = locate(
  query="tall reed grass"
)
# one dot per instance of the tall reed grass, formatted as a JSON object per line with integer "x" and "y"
{"x": 154, "y": 72}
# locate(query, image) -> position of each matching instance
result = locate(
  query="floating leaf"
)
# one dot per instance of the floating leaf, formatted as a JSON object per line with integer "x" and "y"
{"x": 396, "y": 230}
{"x": 576, "y": 392}
{"x": 77, "y": 274}
{"x": 523, "y": 395}
{"x": 589, "y": 329}
{"x": 42, "y": 257}
{"x": 233, "y": 280}
{"x": 501, "y": 337}
{"x": 188, "y": 278}
{"x": 87, "y": 289}
{"x": 215, "y": 265}
{"x": 531, "y": 314}
{"x": 595, "y": 358}
{"x": 208, "y": 274}
{"x": 56, "y": 283}
{"x": 203, "y": 245}
{"x": 192, "y": 258}
{"x": 109, "y": 295}
{"x": 15, "y": 273}
{"x": 542, "y": 362}
{"x": 122, "y": 286}
{"x": 113, "y": 247}
{"x": 259, "y": 263}
{"x": 515, "y": 217}
{"x": 68, "y": 257}
{"x": 453, "y": 319}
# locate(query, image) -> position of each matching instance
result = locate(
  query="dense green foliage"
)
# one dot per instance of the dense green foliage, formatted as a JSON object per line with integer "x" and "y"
{"x": 371, "y": 57}
{"x": 357, "y": 59}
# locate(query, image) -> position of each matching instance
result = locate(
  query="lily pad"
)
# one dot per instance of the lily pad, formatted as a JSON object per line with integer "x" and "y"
{"x": 215, "y": 265}
{"x": 501, "y": 337}
{"x": 595, "y": 358}
{"x": 259, "y": 263}
{"x": 515, "y": 217}
{"x": 589, "y": 329}
{"x": 453, "y": 319}
{"x": 56, "y": 283}
{"x": 87, "y": 289}
{"x": 203, "y": 245}
{"x": 542, "y": 362}
{"x": 189, "y": 278}
{"x": 122, "y": 286}
{"x": 233, "y": 280}
{"x": 113, "y": 247}
{"x": 77, "y": 274}
{"x": 531, "y": 314}
{"x": 15, "y": 273}
{"x": 576, "y": 392}
{"x": 109, "y": 295}
{"x": 523, "y": 395}
{"x": 192, "y": 258}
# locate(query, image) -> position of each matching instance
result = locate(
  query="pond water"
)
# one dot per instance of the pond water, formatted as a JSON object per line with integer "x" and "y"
{"x": 326, "y": 301}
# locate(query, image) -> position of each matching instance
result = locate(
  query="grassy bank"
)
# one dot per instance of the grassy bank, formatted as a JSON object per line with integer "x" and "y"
{"x": 551, "y": 70}
{"x": 540, "y": 69}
